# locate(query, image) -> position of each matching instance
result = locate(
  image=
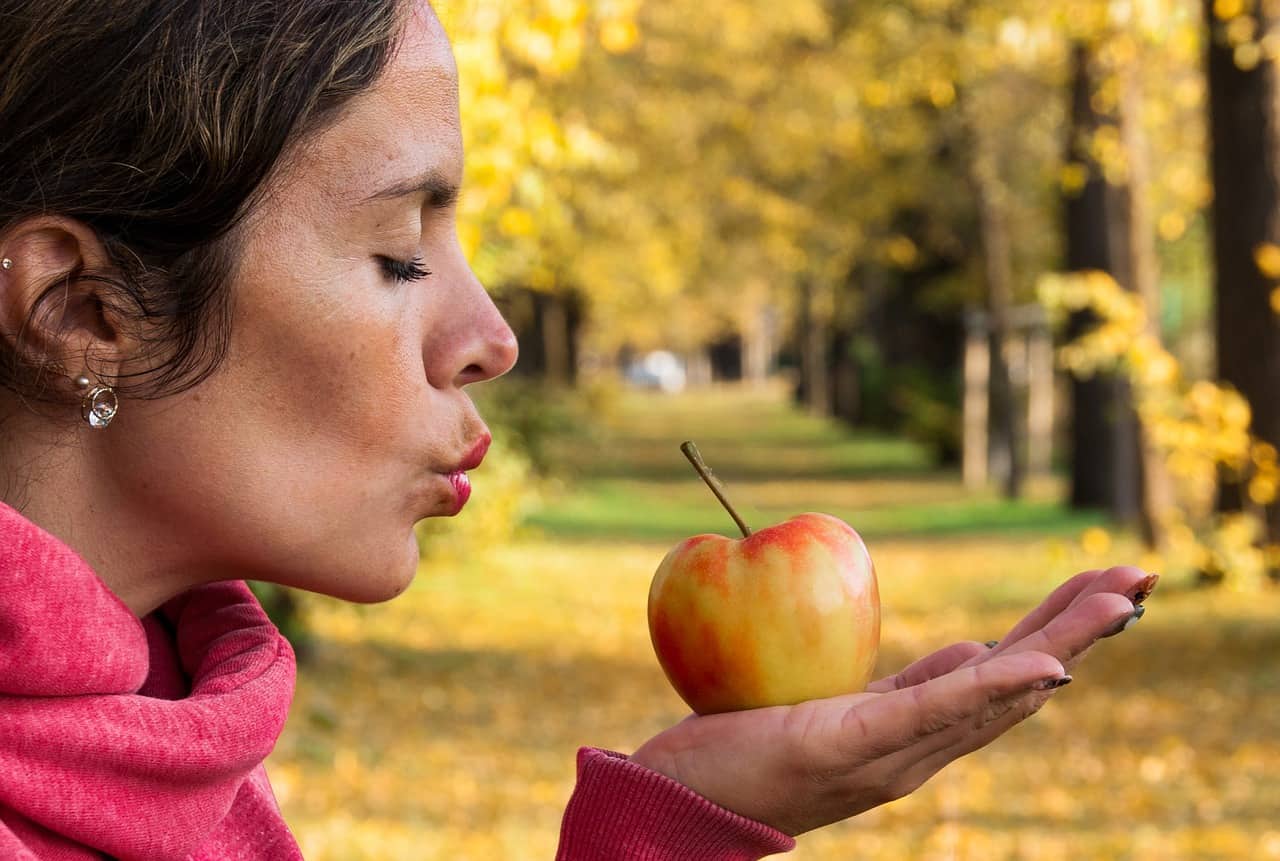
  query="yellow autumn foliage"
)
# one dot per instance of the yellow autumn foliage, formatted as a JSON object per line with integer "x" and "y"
{"x": 1200, "y": 427}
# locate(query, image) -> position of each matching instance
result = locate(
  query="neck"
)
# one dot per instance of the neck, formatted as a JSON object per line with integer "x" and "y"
{"x": 64, "y": 484}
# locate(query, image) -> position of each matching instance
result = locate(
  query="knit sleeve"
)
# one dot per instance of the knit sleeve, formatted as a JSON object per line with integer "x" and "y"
{"x": 622, "y": 811}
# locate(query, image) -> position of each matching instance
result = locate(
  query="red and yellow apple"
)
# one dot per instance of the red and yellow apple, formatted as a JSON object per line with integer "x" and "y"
{"x": 789, "y": 613}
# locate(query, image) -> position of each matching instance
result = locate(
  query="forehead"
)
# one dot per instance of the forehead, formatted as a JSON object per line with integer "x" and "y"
{"x": 405, "y": 125}
{"x": 425, "y": 40}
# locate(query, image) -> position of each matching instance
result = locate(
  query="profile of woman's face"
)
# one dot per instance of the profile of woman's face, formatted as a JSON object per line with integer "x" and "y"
{"x": 339, "y": 418}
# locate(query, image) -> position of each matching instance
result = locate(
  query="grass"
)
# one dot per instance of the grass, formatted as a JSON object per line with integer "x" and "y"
{"x": 777, "y": 461}
{"x": 442, "y": 725}
{"x": 614, "y": 509}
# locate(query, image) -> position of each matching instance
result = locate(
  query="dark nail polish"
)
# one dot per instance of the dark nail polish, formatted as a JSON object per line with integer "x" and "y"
{"x": 1124, "y": 624}
{"x": 1052, "y": 684}
{"x": 1145, "y": 588}
{"x": 991, "y": 644}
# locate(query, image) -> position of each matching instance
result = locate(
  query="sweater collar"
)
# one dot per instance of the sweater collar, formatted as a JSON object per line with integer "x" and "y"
{"x": 62, "y": 631}
{"x": 87, "y": 756}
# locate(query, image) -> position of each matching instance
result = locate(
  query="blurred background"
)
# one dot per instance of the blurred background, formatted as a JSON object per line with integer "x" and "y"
{"x": 996, "y": 281}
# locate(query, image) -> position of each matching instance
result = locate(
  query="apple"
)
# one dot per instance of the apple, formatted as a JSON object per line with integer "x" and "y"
{"x": 788, "y": 613}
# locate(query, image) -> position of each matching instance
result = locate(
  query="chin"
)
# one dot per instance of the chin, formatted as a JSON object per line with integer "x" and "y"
{"x": 366, "y": 581}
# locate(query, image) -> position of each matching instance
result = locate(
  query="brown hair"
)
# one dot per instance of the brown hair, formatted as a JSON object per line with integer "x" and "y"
{"x": 157, "y": 123}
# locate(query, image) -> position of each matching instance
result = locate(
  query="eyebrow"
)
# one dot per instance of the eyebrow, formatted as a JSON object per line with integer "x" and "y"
{"x": 439, "y": 192}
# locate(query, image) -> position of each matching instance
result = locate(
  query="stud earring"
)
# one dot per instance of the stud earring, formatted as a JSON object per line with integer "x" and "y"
{"x": 98, "y": 404}
{"x": 6, "y": 263}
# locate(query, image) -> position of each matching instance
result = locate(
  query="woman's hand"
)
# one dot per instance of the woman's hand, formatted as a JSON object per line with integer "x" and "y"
{"x": 800, "y": 767}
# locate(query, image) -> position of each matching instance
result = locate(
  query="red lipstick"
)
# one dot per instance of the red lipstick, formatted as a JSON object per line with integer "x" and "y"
{"x": 461, "y": 490}
{"x": 477, "y": 453}
{"x": 458, "y": 477}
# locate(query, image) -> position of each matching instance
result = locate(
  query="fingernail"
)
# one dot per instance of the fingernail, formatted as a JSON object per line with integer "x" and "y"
{"x": 991, "y": 644}
{"x": 1127, "y": 622}
{"x": 1052, "y": 684}
{"x": 1145, "y": 588}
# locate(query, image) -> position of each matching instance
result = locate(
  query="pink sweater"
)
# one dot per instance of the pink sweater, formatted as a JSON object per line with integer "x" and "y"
{"x": 144, "y": 739}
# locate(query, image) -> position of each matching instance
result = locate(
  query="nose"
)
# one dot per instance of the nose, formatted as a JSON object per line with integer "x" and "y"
{"x": 490, "y": 347}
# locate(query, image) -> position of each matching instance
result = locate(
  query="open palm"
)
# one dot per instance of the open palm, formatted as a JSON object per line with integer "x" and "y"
{"x": 800, "y": 767}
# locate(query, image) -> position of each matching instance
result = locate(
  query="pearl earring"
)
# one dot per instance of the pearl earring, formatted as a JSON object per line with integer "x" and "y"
{"x": 6, "y": 263}
{"x": 98, "y": 405}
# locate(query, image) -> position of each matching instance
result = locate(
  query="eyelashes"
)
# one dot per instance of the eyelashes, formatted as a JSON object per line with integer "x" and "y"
{"x": 405, "y": 270}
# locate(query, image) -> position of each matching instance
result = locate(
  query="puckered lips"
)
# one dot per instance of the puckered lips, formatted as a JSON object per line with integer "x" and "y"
{"x": 457, "y": 477}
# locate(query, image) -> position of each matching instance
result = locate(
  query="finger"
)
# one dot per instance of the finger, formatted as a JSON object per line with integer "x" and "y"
{"x": 910, "y": 767}
{"x": 1133, "y": 583}
{"x": 895, "y": 721}
{"x": 1100, "y": 606}
{"x": 949, "y": 746}
{"x": 939, "y": 663}
{"x": 1059, "y": 599}
{"x": 955, "y": 743}
{"x": 1071, "y": 632}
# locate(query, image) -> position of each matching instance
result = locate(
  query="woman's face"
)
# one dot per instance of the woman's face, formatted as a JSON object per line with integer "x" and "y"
{"x": 339, "y": 417}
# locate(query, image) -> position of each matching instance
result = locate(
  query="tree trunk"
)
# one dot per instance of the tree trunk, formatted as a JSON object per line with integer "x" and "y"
{"x": 977, "y": 398}
{"x": 1144, "y": 279}
{"x": 846, "y": 327}
{"x": 845, "y": 389}
{"x": 758, "y": 336}
{"x": 815, "y": 346}
{"x": 548, "y": 327}
{"x": 1006, "y": 427}
{"x": 698, "y": 373}
{"x": 1245, "y": 163}
{"x": 554, "y": 324}
{"x": 1104, "y": 439}
{"x": 1041, "y": 382}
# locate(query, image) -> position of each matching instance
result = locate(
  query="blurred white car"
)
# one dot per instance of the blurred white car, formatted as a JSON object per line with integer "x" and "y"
{"x": 659, "y": 369}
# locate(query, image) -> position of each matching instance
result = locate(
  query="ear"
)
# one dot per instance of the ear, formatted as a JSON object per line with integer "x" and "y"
{"x": 50, "y": 312}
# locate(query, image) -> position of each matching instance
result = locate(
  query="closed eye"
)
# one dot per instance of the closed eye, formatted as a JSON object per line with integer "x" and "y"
{"x": 405, "y": 270}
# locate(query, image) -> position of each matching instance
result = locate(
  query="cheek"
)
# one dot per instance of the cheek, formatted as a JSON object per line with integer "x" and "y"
{"x": 374, "y": 387}
{"x": 326, "y": 374}
{"x": 303, "y": 436}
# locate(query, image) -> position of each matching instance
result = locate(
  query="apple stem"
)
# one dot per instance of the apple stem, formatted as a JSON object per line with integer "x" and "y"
{"x": 691, "y": 451}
